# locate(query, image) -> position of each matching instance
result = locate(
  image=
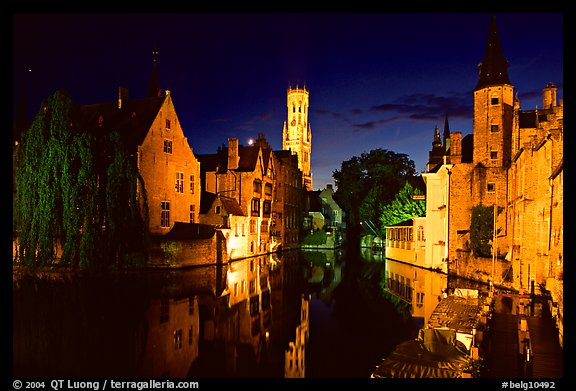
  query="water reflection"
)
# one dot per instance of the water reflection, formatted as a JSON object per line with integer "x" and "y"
{"x": 291, "y": 314}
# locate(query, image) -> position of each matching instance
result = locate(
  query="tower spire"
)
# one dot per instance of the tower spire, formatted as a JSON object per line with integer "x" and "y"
{"x": 493, "y": 68}
{"x": 446, "y": 135}
{"x": 153, "y": 84}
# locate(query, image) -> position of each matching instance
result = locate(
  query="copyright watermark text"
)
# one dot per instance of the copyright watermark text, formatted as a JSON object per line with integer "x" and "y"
{"x": 97, "y": 385}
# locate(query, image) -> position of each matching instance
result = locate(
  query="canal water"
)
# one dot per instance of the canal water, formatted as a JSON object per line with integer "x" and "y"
{"x": 315, "y": 314}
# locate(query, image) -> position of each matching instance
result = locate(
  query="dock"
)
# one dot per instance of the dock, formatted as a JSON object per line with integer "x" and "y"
{"x": 523, "y": 340}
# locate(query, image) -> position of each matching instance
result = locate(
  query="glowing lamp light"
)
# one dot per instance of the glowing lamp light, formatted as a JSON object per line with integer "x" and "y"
{"x": 250, "y": 141}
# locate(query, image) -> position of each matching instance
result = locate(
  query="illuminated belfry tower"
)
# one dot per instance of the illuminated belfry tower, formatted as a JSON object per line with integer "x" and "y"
{"x": 297, "y": 134}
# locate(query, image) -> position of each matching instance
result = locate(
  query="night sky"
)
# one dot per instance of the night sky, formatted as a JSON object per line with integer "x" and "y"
{"x": 376, "y": 80}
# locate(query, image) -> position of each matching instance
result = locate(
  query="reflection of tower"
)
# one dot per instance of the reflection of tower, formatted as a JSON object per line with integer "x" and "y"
{"x": 294, "y": 363}
{"x": 297, "y": 134}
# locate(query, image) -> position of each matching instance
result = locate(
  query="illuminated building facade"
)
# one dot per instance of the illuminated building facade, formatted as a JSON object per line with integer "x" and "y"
{"x": 297, "y": 133}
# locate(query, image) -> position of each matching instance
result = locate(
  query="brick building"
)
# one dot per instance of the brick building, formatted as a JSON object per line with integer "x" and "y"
{"x": 246, "y": 176}
{"x": 512, "y": 161}
{"x": 288, "y": 201}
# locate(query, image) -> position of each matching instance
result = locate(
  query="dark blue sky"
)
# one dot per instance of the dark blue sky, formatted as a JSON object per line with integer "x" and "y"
{"x": 376, "y": 80}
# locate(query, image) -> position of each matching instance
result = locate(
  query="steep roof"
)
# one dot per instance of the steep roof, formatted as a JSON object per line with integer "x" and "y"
{"x": 133, "y": 120}
{"x": 405, "y": 223}
{"x": 183, "y": 231}
{"x": 231, "y": 206}
{"x": 248, "y": 158}
{"x": 493, "y": 68}
{"x": 531, "y": 118}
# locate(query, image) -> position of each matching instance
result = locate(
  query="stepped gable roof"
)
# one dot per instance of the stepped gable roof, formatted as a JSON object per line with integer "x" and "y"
{"x": 266, "y": 157}
{"x": 231, "y": 206}
{"x": 248, "y": 158}
{"x": 133, "y": 120}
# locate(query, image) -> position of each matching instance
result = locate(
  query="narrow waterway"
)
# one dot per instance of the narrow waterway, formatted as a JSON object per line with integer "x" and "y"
{"x": 293, "y": 314}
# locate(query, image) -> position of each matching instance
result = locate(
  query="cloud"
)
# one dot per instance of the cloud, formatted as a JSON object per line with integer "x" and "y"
{"x": 417, "y": 107}
{"x": 255, "y": 122}
{"x": 328, "y": 113}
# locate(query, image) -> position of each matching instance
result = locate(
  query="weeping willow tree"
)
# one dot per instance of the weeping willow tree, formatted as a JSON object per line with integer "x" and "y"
{"x": 402, "y": 207}
{"x": 59, "y": 216}
{"x": 126, "y": 206}
{"x": 55, "y": 160}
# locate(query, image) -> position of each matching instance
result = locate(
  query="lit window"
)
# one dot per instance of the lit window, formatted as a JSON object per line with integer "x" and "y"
{"x": 192, "y": 184}
{"x": 255, "y": 207}
{"x": 165, "y": 214}
{"x": 177, "y": 339}
{"x": 192, "y": 212}
{"x": 179, "y": 184}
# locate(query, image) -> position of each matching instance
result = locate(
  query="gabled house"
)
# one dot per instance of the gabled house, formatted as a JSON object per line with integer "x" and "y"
{"x": 153, "y": 136}
{"x": 245, "y": 175}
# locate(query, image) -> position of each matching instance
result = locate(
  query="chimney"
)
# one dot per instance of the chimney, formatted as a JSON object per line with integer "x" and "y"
{"x": 455, "y": 147}
{"x": 122, "y": 96}
{"x": 549, "y": 96}
{"x": 233, "y": 153}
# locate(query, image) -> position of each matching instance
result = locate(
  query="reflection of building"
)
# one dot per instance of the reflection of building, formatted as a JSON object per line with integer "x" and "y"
{"x": 171, "y": 343}
{"x": 295, "y": 357}
{"x": 325, "y": 272}
{"x": 236, "y": 326}
{"x": 419, "y": 288}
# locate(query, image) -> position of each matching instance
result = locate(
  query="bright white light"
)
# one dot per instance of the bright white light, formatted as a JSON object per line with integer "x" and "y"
{"x": 250, "y": 141}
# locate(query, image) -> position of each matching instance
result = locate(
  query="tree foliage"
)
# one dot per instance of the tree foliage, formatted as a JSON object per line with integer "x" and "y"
{"x": 482, "y": 230}
{"x": 402, "y": 207}
{"x": 370, "y": 180}
{"x": 58, "y": 213}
